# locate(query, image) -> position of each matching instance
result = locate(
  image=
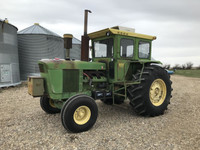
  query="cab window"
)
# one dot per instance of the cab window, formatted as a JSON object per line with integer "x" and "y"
{"x": 144, "y": 49}
{"x": 103, "y": 48}
{"x": 126, "y": 48}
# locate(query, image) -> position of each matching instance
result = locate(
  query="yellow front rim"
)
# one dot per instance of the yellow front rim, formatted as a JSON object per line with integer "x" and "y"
{"x": 51, "y": 103}
{"x": 82, "y": 115}
{"x": 158, "y": 92}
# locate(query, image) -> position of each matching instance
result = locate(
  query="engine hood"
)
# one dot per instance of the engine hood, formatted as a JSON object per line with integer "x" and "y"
{"x": 68, "y": 64}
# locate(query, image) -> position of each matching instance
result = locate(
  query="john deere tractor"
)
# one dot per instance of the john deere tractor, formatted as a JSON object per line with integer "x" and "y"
{"x": 121, "y": 69}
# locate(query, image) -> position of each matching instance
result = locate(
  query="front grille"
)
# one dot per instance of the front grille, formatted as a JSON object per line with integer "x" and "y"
{"x": 70, "y": 80}
{"x": 41, "y": 67}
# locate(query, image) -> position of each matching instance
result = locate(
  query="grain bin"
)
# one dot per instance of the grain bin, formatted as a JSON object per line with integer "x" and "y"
{"x": 36, "y": 43}
{"x": 9, "y": 62}
{"x": 75, "y": 52}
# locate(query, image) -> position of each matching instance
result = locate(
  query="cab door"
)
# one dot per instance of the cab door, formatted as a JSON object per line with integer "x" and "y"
{"x": 103, "y": 51}
{"x": 126, "y": 46}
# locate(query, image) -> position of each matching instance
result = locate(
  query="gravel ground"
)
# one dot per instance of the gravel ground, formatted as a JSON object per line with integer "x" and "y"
{"x": 23, "y": 124}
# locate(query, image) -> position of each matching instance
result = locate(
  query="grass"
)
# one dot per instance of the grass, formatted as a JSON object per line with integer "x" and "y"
{"x": 189, "y": 73}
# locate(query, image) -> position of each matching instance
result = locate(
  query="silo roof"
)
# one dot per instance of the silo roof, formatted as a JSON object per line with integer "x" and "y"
{"x": 37, "y": 29}
{"x": 3, "y": 21}
{"x": 76, "y": 41}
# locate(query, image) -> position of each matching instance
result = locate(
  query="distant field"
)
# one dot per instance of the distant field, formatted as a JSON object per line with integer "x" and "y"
{"x": 188, "y": 73}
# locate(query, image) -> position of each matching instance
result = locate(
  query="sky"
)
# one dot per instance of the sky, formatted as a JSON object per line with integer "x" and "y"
{"x": 176, "y": 23}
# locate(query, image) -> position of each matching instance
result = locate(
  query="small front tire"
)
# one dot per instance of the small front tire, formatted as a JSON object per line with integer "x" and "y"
{"x": 79, "y": 114}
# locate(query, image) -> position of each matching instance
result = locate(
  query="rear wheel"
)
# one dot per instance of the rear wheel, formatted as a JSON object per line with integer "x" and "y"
{"x": 79, "y": 114}
{"x": 152, "y": 96}
{"x": 48, "y": 106}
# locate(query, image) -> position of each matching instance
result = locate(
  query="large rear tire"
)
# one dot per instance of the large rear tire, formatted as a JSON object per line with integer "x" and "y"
{"x": 79, "y": 114}
{"x": 152, "y": 96}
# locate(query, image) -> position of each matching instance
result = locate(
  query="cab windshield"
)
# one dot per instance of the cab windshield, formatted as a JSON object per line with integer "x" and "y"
{"x": 103, "y": 48}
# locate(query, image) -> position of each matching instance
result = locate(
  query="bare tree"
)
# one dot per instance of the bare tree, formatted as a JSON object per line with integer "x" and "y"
{"x": 177, "y": 66}
{"x": 189, "y": 65}
{"x": 166, "y": 66}
{"x": 183, "y": 66}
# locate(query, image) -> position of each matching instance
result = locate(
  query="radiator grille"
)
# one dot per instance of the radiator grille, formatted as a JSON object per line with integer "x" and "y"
{"x": 41, "y": 67}
{"x": 70, "y": 80}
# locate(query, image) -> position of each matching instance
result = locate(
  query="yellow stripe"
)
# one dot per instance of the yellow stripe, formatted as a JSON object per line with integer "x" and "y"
{"x": 102, "y": 33}
{"x": 98, "y": 33}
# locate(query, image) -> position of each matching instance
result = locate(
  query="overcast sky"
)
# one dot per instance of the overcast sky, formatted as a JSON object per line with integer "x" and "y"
{"x": 176, "y": 23}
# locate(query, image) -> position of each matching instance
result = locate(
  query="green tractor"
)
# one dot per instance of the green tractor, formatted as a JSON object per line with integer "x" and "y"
{"x": 121, "y": 69}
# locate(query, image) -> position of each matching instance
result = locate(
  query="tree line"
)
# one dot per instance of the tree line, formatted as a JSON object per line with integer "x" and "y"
{"x": 188, "y": 65}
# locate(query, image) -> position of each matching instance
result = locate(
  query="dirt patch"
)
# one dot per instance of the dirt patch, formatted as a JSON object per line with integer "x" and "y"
{"x": 23, "y": 124}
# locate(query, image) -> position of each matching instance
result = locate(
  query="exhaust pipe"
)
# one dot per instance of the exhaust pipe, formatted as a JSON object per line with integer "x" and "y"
{"x": 85, "y": 39}
{"x": 86, "y": 21}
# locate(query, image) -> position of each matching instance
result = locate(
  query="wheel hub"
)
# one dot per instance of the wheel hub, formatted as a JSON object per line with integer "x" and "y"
{"x": 51, "y": 103}
{"x": 158, "y": 91}
{"x": 82, "y": 115}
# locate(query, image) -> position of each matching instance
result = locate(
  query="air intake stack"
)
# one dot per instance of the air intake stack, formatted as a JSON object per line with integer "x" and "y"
{"x": 67, "y": 44}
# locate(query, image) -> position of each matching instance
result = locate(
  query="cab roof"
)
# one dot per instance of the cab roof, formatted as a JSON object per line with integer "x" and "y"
{"x": 119, "y": 31}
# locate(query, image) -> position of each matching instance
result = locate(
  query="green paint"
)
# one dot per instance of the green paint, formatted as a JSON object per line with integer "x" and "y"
{"x": 118, "y": 57}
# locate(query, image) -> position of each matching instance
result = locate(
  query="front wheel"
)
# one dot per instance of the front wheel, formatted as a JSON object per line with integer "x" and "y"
{"x": 79, "y": 114}
{"x": 152, "y": 96}
{"x": 48, "y": 106}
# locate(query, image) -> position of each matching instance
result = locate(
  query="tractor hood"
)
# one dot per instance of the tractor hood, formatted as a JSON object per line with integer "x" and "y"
{"x": 67, "y": 64}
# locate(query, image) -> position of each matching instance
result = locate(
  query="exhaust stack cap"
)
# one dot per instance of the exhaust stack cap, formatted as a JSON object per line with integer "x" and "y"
{"x": 67, "y": 36}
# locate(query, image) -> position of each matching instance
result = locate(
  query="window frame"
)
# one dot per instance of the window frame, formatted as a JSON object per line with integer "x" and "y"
{"x": 133, "y": 40}
{"x": 147, "y": 41}
{"x": 100, "y": 39}
{"x": 119, "y": 37}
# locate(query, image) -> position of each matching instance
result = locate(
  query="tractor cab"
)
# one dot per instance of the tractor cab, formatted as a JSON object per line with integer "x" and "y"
{"x": 119, "y": 47}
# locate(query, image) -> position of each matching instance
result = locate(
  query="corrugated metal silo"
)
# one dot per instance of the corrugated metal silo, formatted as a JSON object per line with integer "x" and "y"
{"x": 75, "y": 52}
{"x": 36, "y": 43}
{"x": 9, "y": 62}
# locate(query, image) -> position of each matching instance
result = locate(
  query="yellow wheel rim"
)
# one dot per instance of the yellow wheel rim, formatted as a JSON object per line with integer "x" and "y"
{"x": 51, "y": 103}
{"x": 82, "y": 115}
{"x": 158, "y": 92}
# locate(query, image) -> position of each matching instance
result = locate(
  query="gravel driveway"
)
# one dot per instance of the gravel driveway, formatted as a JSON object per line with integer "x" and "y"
{"x": 23, "y": 124}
